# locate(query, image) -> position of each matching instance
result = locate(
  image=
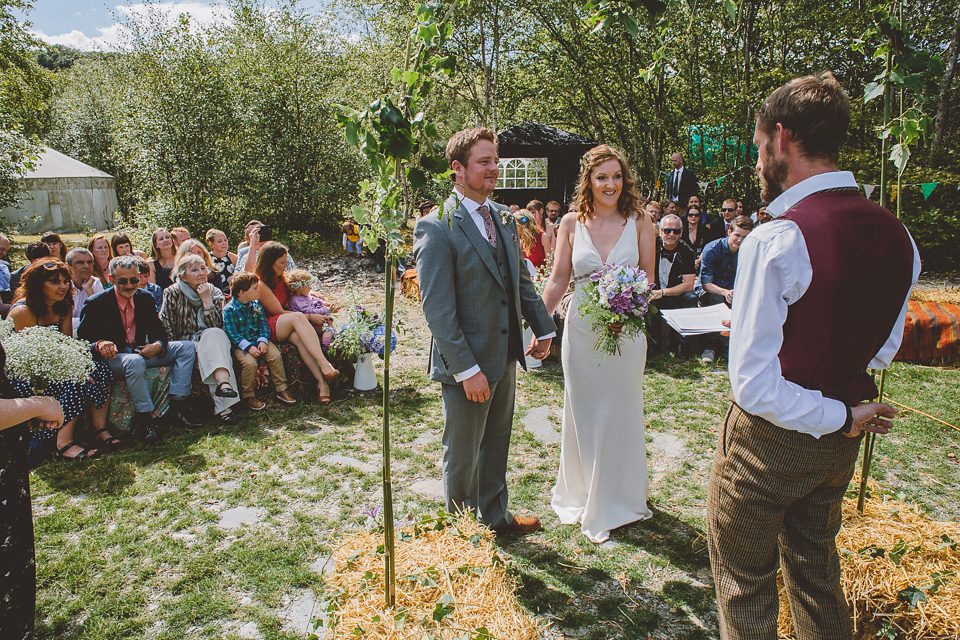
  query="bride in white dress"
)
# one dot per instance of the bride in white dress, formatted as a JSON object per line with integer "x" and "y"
{"x": 602, "y": 482}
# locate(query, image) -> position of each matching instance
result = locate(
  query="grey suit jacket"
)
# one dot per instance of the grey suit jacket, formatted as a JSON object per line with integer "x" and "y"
{"x": 464, "y": 297}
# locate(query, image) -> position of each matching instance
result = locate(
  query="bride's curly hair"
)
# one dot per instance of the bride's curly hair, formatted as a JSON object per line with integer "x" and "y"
{"x": 583, "y": 195}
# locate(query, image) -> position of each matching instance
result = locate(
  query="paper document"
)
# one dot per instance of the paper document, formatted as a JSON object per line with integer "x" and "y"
{"x": 698, "y": 320}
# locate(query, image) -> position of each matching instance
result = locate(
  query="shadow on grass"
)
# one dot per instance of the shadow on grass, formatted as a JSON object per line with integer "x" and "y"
{"x": 598, "y": 605}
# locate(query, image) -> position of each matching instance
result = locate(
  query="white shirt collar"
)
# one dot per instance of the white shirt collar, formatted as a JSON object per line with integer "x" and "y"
{"x": 820, "y": 182}
{"x": 471, "y": 205}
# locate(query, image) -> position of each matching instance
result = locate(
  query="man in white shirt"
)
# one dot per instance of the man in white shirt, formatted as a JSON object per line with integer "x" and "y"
{"x": 475, "y": 289}
{"x": 84, "y": 284}
{"x": 818, "y": 303}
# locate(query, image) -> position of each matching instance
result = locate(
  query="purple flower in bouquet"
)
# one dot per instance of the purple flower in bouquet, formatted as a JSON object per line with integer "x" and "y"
{"x": 622, "y": 302}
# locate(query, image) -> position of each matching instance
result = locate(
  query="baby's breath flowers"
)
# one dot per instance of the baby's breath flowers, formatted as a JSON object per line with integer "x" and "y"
{"x": 43, "y": 356}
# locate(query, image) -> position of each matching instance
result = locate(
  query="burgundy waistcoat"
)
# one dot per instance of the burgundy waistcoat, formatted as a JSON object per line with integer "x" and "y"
{"x": 862, "y": 263}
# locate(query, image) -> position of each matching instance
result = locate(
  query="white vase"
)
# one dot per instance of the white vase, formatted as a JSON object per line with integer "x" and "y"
{"x": 365, "y": 378}
{"x": 532, "y": 363}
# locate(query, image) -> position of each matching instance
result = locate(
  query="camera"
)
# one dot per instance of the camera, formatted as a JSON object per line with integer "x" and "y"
{"x": 266, "y": 233}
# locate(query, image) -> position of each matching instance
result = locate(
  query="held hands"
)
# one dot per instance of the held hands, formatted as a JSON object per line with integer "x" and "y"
{"x": 539, "y": 349}
{"x": 728, "y": 296}
{"x": 49, "y": 412}
{"x": 477, "y": 388}
{"x": 151, "y": 350}
{"x": 869, "y": 416}
{"x": 107, "y": 349}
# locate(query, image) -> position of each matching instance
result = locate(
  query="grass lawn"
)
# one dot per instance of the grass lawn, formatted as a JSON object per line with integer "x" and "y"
{"x": 145, "y": 542}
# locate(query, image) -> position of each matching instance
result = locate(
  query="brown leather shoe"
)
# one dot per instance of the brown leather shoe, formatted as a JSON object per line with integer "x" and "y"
{"x": 521, "y": 525}
{"x": 285, "y": 397}
{"x": 254, "y": 404}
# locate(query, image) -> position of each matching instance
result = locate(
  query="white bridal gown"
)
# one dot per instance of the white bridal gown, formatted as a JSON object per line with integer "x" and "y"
{"x": 602, "y": 482}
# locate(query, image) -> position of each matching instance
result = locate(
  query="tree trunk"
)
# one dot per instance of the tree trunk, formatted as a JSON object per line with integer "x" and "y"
{"x": 943, "y": 112}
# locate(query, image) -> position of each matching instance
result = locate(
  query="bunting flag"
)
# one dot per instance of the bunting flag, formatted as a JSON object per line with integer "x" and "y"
{"x": 868, "y": 189}
{"x": 894, "y": 192}
{"x": 927, "y": 188}
{"x": 703, "y": 186}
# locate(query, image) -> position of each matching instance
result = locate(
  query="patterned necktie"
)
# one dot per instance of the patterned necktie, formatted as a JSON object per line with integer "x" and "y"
{"x": 484, "y": 211}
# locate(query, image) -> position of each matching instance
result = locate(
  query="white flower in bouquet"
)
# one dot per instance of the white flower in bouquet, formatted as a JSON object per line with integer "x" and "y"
{"x": 43, "y": 356}
{"x": 6, "y": 329}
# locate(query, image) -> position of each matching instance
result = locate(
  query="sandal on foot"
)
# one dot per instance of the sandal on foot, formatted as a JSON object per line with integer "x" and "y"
{"x": 224, "y": 390}
{"x": 111, "y": 442}
{"x": 83, "y": 455}
{"x": 333, "y": 375}
{"x": 230, "y": 418}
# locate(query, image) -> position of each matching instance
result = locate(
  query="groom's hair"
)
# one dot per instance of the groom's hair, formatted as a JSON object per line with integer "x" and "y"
{"x": 459, "y": 145}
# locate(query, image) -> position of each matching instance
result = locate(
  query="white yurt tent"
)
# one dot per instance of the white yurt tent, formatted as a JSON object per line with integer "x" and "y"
{"x": 64, "y": 195}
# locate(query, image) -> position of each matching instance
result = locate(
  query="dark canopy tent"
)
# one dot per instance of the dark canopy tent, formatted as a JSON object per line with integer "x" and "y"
{"x": 562, "y": 151}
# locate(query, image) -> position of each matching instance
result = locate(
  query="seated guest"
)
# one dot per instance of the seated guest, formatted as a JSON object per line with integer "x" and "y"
{"x": 253, "y": 224}
{"x": 6, "y": 294}
{"x": 674, "y": 275}
{"x": 121, "y": 245}
{"x": 245, "y": 322}
{"x": 720, "y": 227}
{"x": 293, "y": 326}
{"x": 99, "y": 246}
{"x": 193, "y": 310}
{"x": 195, "y": 247}
{"x": 666, "y": 208}
{"x": 144, "y": 270}
{"x": 224, "y": 261}
{"x": 718, "y": 271}
{"x": 44, "y": 300}
{"x": 34, "y": 251}
{"x": 695, "y": 235}
{"x": 58, "y": 248}
{"x": 123, "y": 324}
{"x": 653, "y": 210}
{"x": 304, "y": 299}
{"x": 536, "y": 209}
{"x": 531, "y": 238}
{"x": 162, "y": 257}
{"x": 180, "y": 235}
{"x": 762, "y": 215}
{"x": 247, "y": 257}
{"x": 83, "y": 283}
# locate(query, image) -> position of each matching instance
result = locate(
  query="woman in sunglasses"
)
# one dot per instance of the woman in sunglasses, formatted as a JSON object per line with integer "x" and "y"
{"x": 695, "y": 235}
{"x": 44, "y": 299}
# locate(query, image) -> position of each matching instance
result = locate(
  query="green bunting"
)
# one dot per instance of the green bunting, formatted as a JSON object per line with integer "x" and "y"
{"x": 927, "y": 188}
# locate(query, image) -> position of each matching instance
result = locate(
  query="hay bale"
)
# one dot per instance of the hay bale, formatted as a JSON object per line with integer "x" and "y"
{"x": 890, "y": 554}
{"x": 943, "y": 294}
{"x": 446, "y": 568}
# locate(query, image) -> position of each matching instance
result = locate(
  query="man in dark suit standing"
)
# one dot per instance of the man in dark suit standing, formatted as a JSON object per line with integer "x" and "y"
{"x": 125, "y": 329}
{"x": 681, "y": 182}
{"x": 475, "y": 288}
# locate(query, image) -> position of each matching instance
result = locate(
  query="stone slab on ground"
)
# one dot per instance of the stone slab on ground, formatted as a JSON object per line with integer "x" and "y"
{"x": 537, "y": 422}
{"x": 350, "y": 462}
{"x": 427, "y": 437}
{"x": 239, "y": 516}
{"x": 668, "y": 444}
{"x": 324, "y": 565}
{"x": 429, "y": 489}
{"x": 299, "y": 614}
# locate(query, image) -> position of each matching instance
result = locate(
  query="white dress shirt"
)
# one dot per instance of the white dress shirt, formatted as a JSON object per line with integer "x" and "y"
{"x": 773, "y": 272}
{"x": 471, "y": 206}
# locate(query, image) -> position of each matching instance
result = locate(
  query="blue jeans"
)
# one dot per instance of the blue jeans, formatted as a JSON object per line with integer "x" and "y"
{"x": 355, "y": 247}
{"x": 132, "y": 367}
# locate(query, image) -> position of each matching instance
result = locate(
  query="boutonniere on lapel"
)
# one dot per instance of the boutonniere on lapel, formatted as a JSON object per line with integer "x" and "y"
{"x": 506, "y": 217}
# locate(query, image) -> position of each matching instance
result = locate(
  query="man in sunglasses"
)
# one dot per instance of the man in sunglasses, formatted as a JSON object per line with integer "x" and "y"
{"x": 125, "y": 329}
{"x": 673, "y": 280}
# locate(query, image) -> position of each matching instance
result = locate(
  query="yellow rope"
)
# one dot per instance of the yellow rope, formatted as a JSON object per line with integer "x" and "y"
{"x": 927, "y": 415}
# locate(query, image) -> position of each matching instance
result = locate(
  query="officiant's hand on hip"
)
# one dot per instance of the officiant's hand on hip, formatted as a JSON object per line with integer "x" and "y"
{"x": 539, "y": 349}
{"x": 477, "y": 388}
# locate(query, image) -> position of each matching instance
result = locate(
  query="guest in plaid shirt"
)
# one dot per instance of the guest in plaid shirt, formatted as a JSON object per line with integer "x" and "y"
{"x": 246, "y": 325}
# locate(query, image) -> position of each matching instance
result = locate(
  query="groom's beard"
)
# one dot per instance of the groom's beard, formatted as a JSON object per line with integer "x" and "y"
{"x": 773, "y": 176}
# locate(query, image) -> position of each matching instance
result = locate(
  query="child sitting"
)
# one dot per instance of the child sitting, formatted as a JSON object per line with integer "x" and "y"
{"x": 246, "y": 324}
{"x": 300, "y": 283}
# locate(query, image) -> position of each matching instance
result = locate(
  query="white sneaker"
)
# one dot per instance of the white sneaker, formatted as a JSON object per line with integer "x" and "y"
{"x": 709, "y": 356}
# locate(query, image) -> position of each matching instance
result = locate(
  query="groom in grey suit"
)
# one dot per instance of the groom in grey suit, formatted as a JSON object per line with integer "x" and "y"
{"x": 475, "y": 288}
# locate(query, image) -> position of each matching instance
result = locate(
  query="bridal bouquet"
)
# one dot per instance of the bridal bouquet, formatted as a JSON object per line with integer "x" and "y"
{"x": 617, "y": 300}
{"x": 42, "y": 356}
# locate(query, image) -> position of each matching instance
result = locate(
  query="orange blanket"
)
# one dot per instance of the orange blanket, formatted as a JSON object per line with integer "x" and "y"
{"x": 932, "y": 330}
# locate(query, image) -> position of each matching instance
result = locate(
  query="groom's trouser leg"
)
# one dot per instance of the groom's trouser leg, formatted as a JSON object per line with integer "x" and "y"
{"x": 476, "y": 438}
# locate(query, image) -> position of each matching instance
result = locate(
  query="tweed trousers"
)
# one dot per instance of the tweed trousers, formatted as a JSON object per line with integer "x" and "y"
{"x": 775, "y": 500}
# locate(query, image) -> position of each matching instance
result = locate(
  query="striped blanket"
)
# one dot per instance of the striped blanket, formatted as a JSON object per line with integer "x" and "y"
{"x": 932, "y": 331}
